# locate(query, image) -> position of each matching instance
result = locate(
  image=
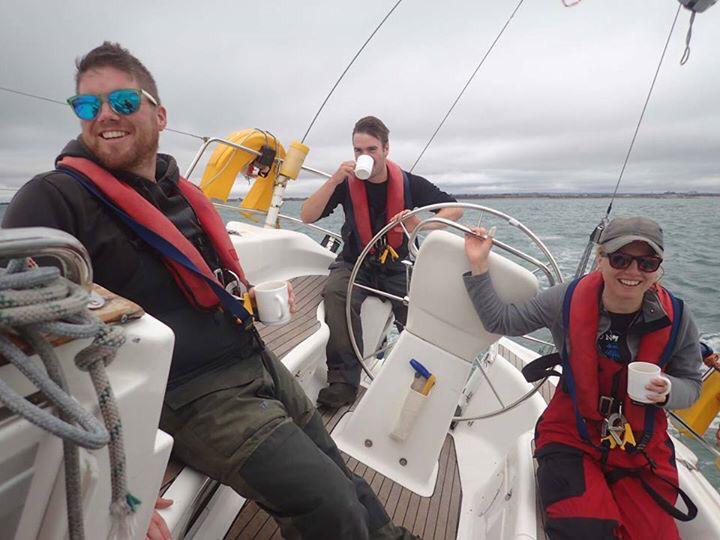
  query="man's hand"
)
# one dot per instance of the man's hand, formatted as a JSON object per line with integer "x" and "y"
{"x": 410, "y": 223}
{"x": 345, "y": 169}
{"x": 314, "y": 205}
{"x": 158, "y": 529}
{"x": 291, "y": 298}
{"x": 477, "y": 249}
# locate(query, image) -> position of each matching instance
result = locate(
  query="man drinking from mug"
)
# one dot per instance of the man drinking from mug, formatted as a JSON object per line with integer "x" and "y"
{"x": 386, "y": 194}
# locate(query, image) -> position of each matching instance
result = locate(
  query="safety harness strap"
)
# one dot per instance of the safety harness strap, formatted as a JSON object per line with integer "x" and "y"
{"x": 542, "y": 367}
{"x": 568, "y": 377}
{"x": 166, "y": 249}
{"x": 649, "y": 423}
{"x": 618, "y": 474}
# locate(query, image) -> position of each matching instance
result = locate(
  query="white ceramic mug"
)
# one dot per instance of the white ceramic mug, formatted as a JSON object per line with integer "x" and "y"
{"x": 273, "y": 302}
{"x": 639, "y": 375}
{"x": 364, "y": 166}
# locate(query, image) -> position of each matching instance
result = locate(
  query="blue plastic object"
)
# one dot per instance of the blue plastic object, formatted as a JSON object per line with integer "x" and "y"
{"x": 422, "y": 370}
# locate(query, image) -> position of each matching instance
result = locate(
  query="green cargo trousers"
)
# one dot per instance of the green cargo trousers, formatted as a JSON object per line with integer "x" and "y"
{"x": 342, "y": 364}
{"x": 250, "y": 426}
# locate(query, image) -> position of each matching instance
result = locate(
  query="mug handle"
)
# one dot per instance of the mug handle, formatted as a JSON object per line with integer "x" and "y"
{"x": 279, "y": 303}
{"x": 669, "y": 385}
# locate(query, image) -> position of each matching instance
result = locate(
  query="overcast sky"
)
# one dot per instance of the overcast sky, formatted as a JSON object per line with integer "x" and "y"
{"x": 553, "y": 108}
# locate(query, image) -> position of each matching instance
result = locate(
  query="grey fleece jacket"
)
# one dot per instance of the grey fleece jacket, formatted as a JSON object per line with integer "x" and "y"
{"x": 545, "y": 311}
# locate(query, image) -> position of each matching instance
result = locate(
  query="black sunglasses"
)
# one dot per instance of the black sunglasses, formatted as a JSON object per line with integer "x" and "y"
{"x": 645, "y": 263}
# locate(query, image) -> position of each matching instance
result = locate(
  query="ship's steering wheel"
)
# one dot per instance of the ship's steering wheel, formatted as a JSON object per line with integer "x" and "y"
{"x": 550, "y": 269}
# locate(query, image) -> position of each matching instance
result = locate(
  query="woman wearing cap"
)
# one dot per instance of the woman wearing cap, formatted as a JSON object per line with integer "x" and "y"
{"x": 606, "y": 463}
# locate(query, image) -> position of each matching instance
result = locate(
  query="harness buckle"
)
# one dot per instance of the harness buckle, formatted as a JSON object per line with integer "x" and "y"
{"x": 605, "y": 405}
{"x": 228, "y": 279}
{"x": 616, "y": 431}
{"x": 388, "y": 251}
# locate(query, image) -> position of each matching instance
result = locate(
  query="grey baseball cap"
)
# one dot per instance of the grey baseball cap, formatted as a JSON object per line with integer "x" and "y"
{"x": 622, "y": 231}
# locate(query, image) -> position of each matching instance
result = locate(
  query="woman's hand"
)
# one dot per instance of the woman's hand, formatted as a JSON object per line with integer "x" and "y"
{"x": 657, "y": 390}
{"x": 477, "y": 249}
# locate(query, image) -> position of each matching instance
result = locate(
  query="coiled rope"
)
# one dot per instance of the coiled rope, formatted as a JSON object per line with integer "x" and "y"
{"x": 36, "y": 304}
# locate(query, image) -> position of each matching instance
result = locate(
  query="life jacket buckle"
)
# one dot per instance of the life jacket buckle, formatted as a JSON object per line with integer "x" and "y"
{"x": 616, "y": 432}
{"x": 228, "y": 279}
{"x": 388, "y": 251}
{"x": 606, "y": 405}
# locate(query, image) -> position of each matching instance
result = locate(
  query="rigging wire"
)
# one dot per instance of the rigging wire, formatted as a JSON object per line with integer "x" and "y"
{"x": 597, "y": 232}
{"x": 201, "y": 137}
{"x": 688, "y": 37}
{"x": 492, "y": 46}
{"x": 642, "y": 114}
{"x": 312, "y": 123}
{"x": 64, "y": 103}
{"x": 26, "y": 94}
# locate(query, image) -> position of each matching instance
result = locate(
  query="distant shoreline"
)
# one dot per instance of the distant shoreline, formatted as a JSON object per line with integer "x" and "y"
{"x": 664, "y": 195}
{"x": 472, "y": 196}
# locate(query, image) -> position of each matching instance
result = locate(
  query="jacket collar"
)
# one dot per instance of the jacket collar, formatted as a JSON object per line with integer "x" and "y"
{"x": 651, "y": 317}
{"x": 166, "y": 170}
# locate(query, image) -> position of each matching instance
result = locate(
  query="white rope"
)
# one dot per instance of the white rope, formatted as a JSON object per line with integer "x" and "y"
{"x": 35, "y": 302}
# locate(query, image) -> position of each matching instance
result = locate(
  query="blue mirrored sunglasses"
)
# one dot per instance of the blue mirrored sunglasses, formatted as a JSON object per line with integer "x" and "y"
{"x": 124, "y": 101}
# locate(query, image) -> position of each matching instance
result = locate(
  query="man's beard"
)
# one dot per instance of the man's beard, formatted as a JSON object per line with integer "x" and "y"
{"x": 143, "y": 150}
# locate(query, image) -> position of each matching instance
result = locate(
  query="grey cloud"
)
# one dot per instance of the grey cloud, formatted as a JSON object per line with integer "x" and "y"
{"x": 553, "y": 108}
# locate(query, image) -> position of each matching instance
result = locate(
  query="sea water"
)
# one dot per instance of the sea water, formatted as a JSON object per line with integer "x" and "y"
{"x": 692, "y": 250}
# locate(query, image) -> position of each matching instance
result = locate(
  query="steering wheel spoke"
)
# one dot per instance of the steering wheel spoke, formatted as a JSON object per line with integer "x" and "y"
{"x": 490, "y": 384}
{"x": 378, "y": 292}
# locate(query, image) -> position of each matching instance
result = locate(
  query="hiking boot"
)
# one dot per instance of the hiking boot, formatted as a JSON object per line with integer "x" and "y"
{"x": 336, "y": 395}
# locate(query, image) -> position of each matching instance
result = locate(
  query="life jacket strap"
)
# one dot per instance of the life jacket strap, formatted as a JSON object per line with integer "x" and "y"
{"x": 542, "y": 367}
{"x": 618, "y": 474}
{"x": 166, "y": 249}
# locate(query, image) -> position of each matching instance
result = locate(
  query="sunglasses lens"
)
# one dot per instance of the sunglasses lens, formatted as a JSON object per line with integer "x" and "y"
{"x": 86, "y": 107}
{"x": 124, "y": 101}
{"x": 619, "y": 261}
{"x": 649, "y": 264}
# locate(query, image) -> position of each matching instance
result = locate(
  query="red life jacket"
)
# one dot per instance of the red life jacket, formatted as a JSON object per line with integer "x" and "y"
{"x": 587, "y": 375}
{"x": 394, "y": 204}
{"x": 197, "y": 291}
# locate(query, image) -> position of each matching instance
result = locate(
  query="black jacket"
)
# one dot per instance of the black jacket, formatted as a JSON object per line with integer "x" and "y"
{"x": 422, "y": 193}
{"x": 124, "y": 264}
